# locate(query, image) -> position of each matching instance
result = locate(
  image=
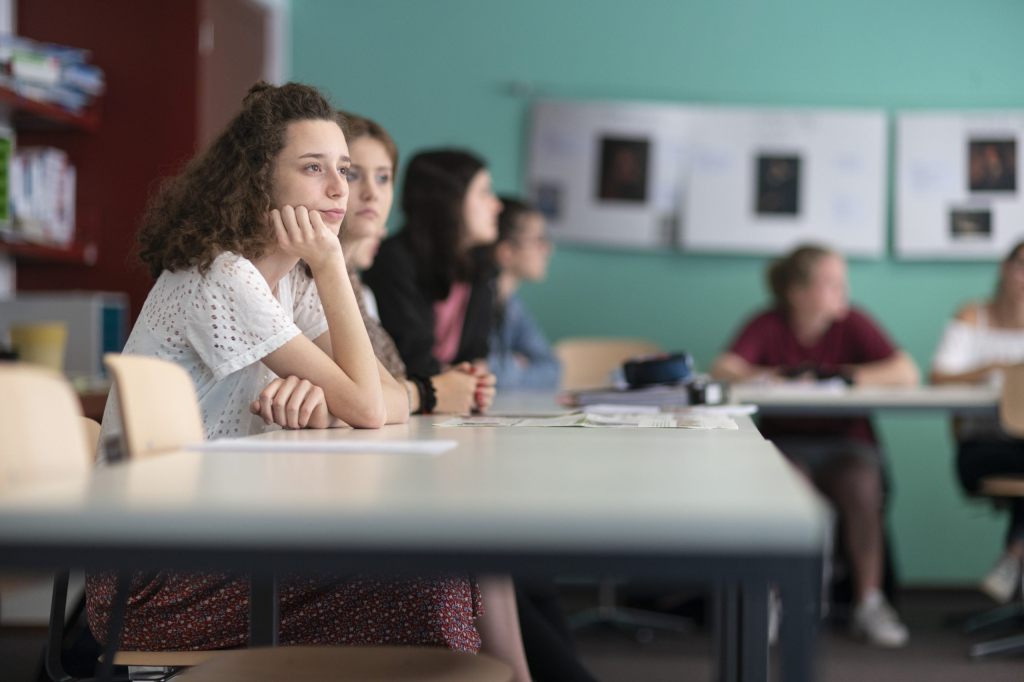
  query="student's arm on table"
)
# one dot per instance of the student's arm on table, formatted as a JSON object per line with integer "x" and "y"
{"x": 899, "y": 369}
{"x": 731, "y": 367}
{"x": 978, "y": 375}
{"x": 349, "y": 374}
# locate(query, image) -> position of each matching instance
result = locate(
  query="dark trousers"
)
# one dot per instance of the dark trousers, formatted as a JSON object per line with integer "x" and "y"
{"x": 550, "y": 650}
{"x": 978, "y": 458}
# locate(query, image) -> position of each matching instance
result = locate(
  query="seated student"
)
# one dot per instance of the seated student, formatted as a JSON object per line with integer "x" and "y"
{"x": 812, "y": 331}
{"x": 432, "y": 282}
{"x": 371, "y": 184}
{"x": 982, "y": 340}
{"x": 521, "y": 356}
{"x": 549, "y": 648}
{"x": 233, "y": 307}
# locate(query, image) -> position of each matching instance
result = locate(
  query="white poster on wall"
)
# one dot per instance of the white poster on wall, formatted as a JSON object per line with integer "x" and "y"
{"x": 958, "y": 184}
{"x": 761, "y": 181}
{"x": 608, "y": 173}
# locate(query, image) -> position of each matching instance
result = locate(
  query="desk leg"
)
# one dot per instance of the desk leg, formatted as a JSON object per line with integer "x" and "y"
{"x": 114, "y": 627}
{"x": 754, "y": 631}
{"x": 801, "y": 611}
{"x": 263, "y": 611}
{"x": 726, "y": 642}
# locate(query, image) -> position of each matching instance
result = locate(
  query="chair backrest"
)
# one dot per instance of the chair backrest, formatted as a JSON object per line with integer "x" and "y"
{"x": 41, "y": 437}
{"x": 1011, "y": 404}
{"x": 91, "y": 427}
{"x": 588, "y": 361}
{"x": 157, "y": 403}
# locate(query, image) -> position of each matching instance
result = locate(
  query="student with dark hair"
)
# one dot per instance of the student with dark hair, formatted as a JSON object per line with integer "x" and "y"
{"x": 434, "y": 288}
{"x": 812, "y": 332}
{"x": 265, "y": 342}
{"x": 432, "y": 281}
{"x": 977, "y": 346}
{"x": 521, "y": 356}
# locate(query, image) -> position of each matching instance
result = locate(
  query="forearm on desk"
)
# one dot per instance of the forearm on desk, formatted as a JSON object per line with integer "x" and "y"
{"x": 897, "y": 370}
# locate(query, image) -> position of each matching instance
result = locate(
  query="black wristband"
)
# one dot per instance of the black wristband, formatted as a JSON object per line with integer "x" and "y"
{"x": 428, "y": 396}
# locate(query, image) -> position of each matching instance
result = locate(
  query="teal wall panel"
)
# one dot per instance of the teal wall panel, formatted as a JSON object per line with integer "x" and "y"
{"x": 462, "y": 72}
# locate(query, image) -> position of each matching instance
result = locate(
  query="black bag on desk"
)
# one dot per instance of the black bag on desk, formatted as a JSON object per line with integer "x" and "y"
{"x": 670, "y": 368}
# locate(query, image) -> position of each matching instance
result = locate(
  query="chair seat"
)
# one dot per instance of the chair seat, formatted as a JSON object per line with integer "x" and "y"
{"x": 164, "y": 659}
{"x": 344, "y": 664}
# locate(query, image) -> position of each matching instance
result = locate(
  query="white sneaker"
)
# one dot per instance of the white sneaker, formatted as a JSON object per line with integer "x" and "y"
{"x": 1002, "y": 581}
{"x": 877, "y": 623}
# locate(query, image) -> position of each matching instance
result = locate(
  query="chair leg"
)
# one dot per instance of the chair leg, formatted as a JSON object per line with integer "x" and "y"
{"x": 55, "y": 634}
{"x": 1007, "y": 645}
{"x": 608, "y": 612}
{"x": 994, "y": 616}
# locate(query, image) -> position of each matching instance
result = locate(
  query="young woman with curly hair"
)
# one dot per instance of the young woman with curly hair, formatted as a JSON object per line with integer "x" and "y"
{"x": 265, "y": 342}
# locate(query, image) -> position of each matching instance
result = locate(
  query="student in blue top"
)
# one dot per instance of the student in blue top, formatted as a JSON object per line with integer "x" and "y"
{"x": 520, "y": 355}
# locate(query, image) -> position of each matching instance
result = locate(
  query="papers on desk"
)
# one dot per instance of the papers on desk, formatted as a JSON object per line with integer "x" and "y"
{"x": 398, "y": 447}
{"x": 676, "y": 420}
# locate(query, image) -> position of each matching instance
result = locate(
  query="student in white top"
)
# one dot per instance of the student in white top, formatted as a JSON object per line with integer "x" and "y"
{"x": 265, "y": 343}
{"x": 978, "y": 344}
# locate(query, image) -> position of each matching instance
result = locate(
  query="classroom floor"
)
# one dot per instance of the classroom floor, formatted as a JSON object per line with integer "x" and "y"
{"x": 937, "y": 652}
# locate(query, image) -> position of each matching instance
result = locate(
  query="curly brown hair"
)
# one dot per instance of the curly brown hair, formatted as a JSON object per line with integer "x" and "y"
{"x": 221, "y": 199}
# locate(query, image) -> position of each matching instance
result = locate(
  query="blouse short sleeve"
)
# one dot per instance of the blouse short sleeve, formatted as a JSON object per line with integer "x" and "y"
{"x": 233, "y": 320}
{"x": 955, "y": 353}
{"x": 309, "y": 311}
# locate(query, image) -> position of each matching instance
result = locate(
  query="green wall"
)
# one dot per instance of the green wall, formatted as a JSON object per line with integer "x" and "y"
{"x": 462, "y": 72}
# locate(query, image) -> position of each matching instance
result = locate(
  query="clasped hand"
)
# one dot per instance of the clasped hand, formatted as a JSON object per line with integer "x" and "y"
{"x": 293, "y": 403}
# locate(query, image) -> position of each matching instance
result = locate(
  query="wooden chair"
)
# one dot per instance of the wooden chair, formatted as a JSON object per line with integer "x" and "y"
{"x": 44, "y": 438}
{"x": 157, "y": 405}
{"x": 33, "y": 586}
{"x": 157, "y": 422}
{"x": 587, "y": 362}
{"x": 355, "y": 664}
{"x": 1011, "y": 418}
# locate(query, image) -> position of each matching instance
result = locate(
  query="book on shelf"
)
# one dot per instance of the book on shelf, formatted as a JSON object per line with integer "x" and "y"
{"x": 42, "y": 196}
{"x": 45, "y": 72}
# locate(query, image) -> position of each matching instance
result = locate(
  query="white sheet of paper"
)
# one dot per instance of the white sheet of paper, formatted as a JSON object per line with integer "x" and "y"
{"x": 612, "y": 408}
{"x": 398, "y": 447}
{"x": 728, "y": 410}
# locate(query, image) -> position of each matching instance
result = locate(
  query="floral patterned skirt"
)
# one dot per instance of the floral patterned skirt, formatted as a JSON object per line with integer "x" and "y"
{"x": 198, "y": 611}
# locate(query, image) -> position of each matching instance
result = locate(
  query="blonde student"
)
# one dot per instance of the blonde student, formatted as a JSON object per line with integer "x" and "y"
{"x": 979, "y": 343}
{"x": 266, "y": 343}
{"x": 372, "y": 184}
{"x": 812, "y": 332}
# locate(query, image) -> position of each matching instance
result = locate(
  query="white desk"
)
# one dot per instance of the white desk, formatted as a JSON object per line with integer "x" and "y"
{"x": 792, "y": 400}
{"x": 666, "y": 504}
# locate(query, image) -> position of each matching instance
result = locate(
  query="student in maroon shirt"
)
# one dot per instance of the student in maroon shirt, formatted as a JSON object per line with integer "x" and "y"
{"x": 812, "y": 333}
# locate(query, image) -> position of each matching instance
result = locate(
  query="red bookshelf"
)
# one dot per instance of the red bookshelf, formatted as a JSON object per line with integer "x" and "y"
{"x": 33, "y": 116}
{"x": 75, "y": 254}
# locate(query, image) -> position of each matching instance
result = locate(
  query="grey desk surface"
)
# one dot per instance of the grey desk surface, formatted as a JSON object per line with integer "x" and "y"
{"x": 554, "y": 488}
{"x": 797, "y": 399}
